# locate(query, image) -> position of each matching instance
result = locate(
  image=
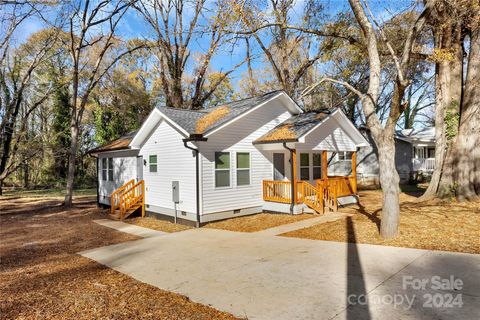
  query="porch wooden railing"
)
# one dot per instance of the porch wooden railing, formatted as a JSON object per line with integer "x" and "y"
{"x": 324, "y": 195}
{"x": 277, "y": 191}
{"x": 132, "y": 198}
{"x": 115, "y": 196}
{"x": 310, "y": 195}
{"x": 343, "y": 185}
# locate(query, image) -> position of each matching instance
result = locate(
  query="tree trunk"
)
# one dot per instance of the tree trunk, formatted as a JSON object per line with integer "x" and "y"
{"x": 389, "y": 181}
{"x": 466, "y": 151}
{"x": 72, "y": 155}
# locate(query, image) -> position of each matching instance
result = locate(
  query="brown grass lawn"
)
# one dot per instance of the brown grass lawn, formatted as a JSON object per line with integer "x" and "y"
{"x": 434, "y": 224}
{"x": 42, "y": 277}
{"x": 257, "y": 222}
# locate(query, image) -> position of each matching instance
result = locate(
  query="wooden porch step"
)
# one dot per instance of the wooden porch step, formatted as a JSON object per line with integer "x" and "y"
{"x": 129, "y": 211}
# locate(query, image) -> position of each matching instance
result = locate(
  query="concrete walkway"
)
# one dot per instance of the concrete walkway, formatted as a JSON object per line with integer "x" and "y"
{"x": 130, "y": 228}
{"x": 258, "y": 276}
{"x": 302, "y": 224}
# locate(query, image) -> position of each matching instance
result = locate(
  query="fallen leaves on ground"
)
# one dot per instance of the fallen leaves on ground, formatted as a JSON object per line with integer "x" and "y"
{"x": 156, "y": 224}
{"x": 257, "y": 222}
{"x": 434, "y": 224}
{"x": 42, "y": 276}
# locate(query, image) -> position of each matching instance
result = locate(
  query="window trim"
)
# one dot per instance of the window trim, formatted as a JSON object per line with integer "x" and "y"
{"x": 150, "y": 163}
{"x": 314, "y": 166}
{"x": 344, "y": 155}
{"x": 229, "y": 170}
{"x": 243, "y": 169}
{"x": 106, "y": 169}
{"x": 303, "y": 167}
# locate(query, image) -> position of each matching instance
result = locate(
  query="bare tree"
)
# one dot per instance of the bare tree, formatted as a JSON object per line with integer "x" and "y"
{"x": 383, "y": 134}
{"x": 92, "y": 56}
{"x": 173, "y": 37}
{"x": 17, "y": 67}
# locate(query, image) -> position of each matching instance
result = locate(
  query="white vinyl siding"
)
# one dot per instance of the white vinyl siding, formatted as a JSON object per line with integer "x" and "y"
{"x": 238, "y": 137}
{"x": 174, "y": 163}
{"x": 329, "y": 136}
{"x": 120, "y": 169}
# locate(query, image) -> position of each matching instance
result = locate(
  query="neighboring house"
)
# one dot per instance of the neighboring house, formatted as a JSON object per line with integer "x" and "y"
{"x": 232, "y": 160}
{"x": 414, "y": 155}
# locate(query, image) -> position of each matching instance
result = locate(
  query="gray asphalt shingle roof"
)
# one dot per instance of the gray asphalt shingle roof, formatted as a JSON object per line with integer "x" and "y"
{"x": 294, "y": 127}
{"x": 188, "y": 119}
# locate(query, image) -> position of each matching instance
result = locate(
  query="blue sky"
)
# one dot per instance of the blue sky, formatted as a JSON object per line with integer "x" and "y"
{"x": 133, "y": 26}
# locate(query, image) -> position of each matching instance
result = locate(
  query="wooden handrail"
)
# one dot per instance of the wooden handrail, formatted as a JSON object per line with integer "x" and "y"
{"x": 312, "y": 196}
{"x": 115, "y": 196}
{"x": 277, "y": 191}
{"x": 131, "y": 196}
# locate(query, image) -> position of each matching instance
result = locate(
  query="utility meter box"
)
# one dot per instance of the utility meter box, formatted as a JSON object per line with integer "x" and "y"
{"x": 176, "y": 191}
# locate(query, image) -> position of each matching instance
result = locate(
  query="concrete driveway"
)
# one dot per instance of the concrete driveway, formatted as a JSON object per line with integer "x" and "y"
{"x": 259, "y": 276}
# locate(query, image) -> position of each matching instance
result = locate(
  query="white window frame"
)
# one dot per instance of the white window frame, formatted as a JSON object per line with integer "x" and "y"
{"x": 342, "y": 155}
{"x": 244, "y": 169}
{"x": 150, "y": 163}
{"x": 229, "y": 170}
{"x": 107, "y": 169}
{"x": 314, "y": 166}
{"x": 303, "y": 167}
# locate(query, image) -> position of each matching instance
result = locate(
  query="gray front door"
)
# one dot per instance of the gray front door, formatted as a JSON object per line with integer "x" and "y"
{"x": 278, "y": 166}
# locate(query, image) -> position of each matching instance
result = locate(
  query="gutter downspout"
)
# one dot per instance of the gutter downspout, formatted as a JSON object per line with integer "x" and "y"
{"x": 197, "y": 173}
{"x": 292, "y": 186}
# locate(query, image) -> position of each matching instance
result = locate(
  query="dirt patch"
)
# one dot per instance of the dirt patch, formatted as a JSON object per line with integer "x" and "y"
{"x": 434, "y": 225}
{"x": 156, "y": 224}
{"x": 257, "y": 222}
{"x": 41, "y": 276}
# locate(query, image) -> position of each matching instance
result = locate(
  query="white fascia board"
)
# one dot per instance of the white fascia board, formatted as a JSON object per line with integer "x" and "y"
{"x": 351, "y": 128}
{"x": 296, "y": 107}
{"x": 243, "y": 114}
{"x": 152, "y": 120}
{"x": 302, "y": 138}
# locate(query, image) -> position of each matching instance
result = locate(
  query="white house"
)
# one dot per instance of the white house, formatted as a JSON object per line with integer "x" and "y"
{"x": 236, "y": 159}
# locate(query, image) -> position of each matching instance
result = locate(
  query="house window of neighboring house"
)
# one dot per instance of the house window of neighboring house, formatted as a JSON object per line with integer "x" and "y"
{"x": 107, "y": 169}
{"x": 243, "y": 168}
{"x": 222, "y": 169}
{"x": 317, "y": 165}
{"x": 152, "y": 161}
{"x": 304, "y": 166}
{"x": 345, "y": 156}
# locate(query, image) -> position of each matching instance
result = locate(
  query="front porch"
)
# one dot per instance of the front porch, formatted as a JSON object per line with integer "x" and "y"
{"x": 322, "y": 195}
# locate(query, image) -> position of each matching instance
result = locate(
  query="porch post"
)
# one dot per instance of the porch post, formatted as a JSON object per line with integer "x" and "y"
{"x": 354, "y": 172}
{"x": 294, "y": 175}
{"x": 324, "y": 165}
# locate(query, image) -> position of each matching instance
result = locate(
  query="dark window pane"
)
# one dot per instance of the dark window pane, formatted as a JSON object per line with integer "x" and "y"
{"x": 348, "y": 155}
{"x": 222, "y": 178}
{"x": 304, "y": 160}
{"x": 317, "y": 159}
{"x": 104, "y": 163}
{"x": 153, "y": 168}
{"x": 110, "y": 174}
{"x": 243, "y": 160}
{"x": 104, "y": 174}
{"x": 304, "y": 173}
{"x": 110, "y": 163}
{"x": 317, "y": 173}
{"x": 153, "y": 159}
{"x": 243, "y": 177}
{"x": 222, "y": 160}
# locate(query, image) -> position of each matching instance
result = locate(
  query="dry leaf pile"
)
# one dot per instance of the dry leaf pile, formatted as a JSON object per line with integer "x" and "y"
{"x": 42, "y": 277}
{"x": 434, "y": 225}
{"x": 257, "y": 222}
